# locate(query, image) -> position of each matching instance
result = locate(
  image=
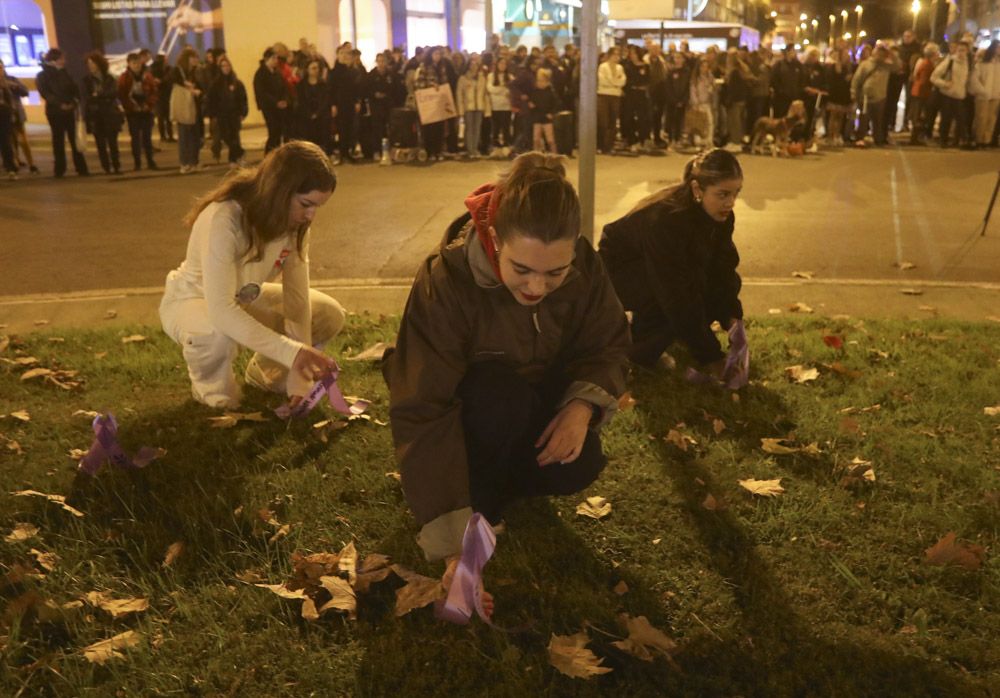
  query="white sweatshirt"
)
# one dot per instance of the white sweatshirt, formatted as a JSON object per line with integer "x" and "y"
{"x": 952, "y": 84}
{"x": 216, "y": 268}
{"x": 610, "y": 80}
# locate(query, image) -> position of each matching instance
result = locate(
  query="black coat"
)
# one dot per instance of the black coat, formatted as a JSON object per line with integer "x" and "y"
{"x": 57, "y": 88}
{"x": 101, "y": 106}
{"x": 227, "y": 98}
{"x": 681, "y": 264}
{"x": 677, "y": 84}
{"x": 313, "y": 102}
{"x": 346, "y": 88}
{"x": 269, "y": 88}
{"x": 788, "y": 79}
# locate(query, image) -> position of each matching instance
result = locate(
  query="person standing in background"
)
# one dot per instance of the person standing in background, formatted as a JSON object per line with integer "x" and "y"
{"x": 610, "y": 83}
{"x": 102, "y": 111}
{"x": 313, "y": 107}
{"x": 11, "y": 93}
{"x": 184, "y": 110}
{"x": 62, "y": 97}
{"x": 227, "y": 103}
{"x": 138, "y": 94}
{"x": 161, "y": 74}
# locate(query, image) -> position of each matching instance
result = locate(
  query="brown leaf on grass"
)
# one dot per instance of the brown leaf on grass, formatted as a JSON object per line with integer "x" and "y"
{"x": 372, "y": 353}
{"x": 927, "y": 308}
{"x": 174, "y": 551}
{"x": 55, "y": 498}
{"x": 14, "y": 446}
{"x": 394, "y": 475}
{"x": 594, "y": 508}
{"x": 283, "y": 591}
{"x": 89, "y": 414}
{"x": 41, "y": 323}
{"x": 21, "y": 415}
{"x": 373, "y": 569}
{"x": 799, "y": 308}
{"x": 718, "y": 426}
{"x": 231, "y": 419}
{"x": 644, "y": 640}
{"x": 342, "y": 597}
{"x": 801, "y": 374}
{"x": 833, "y": 341}
{"x": 100, "y": 652}
{"x": 4, "y": 342}
{"x": 249, "y": 576}
{"x": 626, "y": 402}
{"x": 46, "y": 561}
{"x": 419, "y": 591}
{"x": 23, "y": 361}
{"x": 116, "y": 607}
{"x": 842, "y": 370}
{"x": 858, "y": 471}
{"x": 781, "y": 447}
{"x": 282, "y": 532}
{"x": 711, "y": 503}
{"x": 110, "y": 314}
{"x": 679, "y": 439}
{"x": 621, "y": 588}
{"x": 763, "y": 488}
{"x": 911, "y": 291}
{"x": 133, "y": 339}
{"x": 807, "y": 275}
{"x": 35, "y": 373}
{"x": 992, "y": 411}
{"x": 309, "y": 611}
{"x": 21, "y": 532}
{"x": 850, "y": 426}
{"x": 100, "y": 355}
{"x": 949, "y": 551}
{"x": 570, "y": 656}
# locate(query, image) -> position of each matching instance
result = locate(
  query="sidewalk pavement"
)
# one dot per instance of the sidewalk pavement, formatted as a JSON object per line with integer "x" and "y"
{"x": 761, "y": 298}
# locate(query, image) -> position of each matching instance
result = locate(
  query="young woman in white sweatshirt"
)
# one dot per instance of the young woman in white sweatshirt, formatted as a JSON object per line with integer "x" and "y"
{"x": 245, "y": 281}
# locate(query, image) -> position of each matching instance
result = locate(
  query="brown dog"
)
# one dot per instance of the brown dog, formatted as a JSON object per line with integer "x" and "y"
{"x": 778, "y": 128}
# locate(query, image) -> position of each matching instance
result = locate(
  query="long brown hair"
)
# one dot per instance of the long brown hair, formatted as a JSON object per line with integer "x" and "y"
{"x": 537, "y": 201}
{"x": 711, "y": 167}
{"x": 265, "y": 193}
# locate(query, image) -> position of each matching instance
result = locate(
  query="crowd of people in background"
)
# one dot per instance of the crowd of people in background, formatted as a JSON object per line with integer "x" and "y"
{"x": 509, "y": 100}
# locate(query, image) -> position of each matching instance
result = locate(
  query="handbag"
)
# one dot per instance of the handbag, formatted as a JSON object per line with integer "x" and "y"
{"x": 183, "y": 109}
{"x": 81, "y": 132}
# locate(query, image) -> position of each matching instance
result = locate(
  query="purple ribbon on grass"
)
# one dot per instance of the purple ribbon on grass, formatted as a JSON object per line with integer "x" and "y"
{"x": 466, "y": 592}
{"x": 736, "y": 372}
{"x": 105, "y": 447}
{"x": 327, "y": 385}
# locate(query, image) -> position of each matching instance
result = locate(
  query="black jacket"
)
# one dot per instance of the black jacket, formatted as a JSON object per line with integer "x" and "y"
{"x": 346, "y": 89}
{"x": 382, "y": 90}
{"x": 313, "y": 101}
{"x": 269, "y": 88}
{"x": 227, "y": 98}
{"x": 677, "y": 84}
{"x": 787, "y": 79}
{"x": 681, "y": 264}
{"x": 57, "y": 88}
{"x": 101, "y": 107}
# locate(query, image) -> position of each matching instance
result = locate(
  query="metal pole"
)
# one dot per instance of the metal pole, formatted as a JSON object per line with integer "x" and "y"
{"x": 489, "y": 22}
{"x": 588, "y": 115}
{"x": 989, "y": 210}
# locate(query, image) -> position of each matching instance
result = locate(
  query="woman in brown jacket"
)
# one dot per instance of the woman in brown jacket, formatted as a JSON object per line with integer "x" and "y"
{"x": 510, "y": 355}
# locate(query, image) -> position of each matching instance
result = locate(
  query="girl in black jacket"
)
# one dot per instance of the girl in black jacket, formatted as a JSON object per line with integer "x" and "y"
{"x": 103, "y": 112}
{"x": 227, "y": 102}
{"x": 673, "y": 262}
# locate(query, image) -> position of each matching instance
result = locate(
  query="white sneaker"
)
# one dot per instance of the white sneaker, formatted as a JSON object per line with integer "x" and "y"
{"x": 12, "y": 176}
{"x": 185, "y": 169}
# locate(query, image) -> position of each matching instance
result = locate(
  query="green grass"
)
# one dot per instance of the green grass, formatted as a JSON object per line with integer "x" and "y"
{"x": 823, "y": 591}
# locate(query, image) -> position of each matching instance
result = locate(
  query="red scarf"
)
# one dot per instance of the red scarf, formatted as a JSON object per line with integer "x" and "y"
{"x": 483, "y": 204}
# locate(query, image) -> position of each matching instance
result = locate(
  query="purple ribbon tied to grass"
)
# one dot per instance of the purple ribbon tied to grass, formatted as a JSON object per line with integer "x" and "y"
{"x": 105, "y": 447}
{"x": 327, "y": 385}
{"x": 466, "y": 592}
{"x": 736, "y": 372}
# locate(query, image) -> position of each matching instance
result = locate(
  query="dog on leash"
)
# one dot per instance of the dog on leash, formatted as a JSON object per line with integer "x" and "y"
{"x": 779, "y": 129}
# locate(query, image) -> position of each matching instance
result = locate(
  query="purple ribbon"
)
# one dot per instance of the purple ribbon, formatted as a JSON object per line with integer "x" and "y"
{"x": 736, "y": 372}
{"x": 466, "y": 593}
{"x": 327, "y": 385}
{"x": 105, "y": 447}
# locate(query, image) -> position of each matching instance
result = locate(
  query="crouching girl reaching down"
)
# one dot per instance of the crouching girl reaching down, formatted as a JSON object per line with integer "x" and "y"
{"x": 510, "y": 355}
{"x": 673, "y": 263}
{"x": 245, "y": 280}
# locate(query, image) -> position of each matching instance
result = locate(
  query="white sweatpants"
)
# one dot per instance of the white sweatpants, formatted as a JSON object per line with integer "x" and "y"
{"x": 209, "y": 354}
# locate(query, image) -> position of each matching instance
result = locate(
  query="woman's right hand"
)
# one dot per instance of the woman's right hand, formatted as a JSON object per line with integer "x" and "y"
{"x": 312, "y": 364}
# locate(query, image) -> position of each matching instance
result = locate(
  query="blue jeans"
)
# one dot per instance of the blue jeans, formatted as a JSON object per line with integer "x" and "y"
{"x": 188, "y": 143}
{"x": 473, "y": 131}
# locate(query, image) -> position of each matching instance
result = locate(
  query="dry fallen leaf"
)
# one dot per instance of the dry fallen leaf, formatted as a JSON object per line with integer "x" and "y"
{"x": 808, "y": 275}
{"x": 231, "y": 419}
{"x": 56, "y": 498}
{"x": 833, "y": 341}
{"x": 626, "y": 402}
{"x": 373, "y": 569}
{"x": 133, "y": 339}
{"x": 679, "y": 439}
{"x": 419, "y": 591}
{"x": 342, "y": 597}
{"x": 102, "y": 651}
{"x": 372, "y": 353}
{"x": 643, "y": 639}
{"x": 927, "y": 308}
{"x": 47, "y": 561}
{"x": 992, "y": 411}
{"x": 781, "y": 447}
{"x": 570, "y": 656}
{"x": 718, "y": 426}
{"x": 949, "y": 551}
{"x": 594, "y": 507}
{"x": 283, "y": 591}
{"x": 35, "y": 373}
{"x": 21, "y": 531}
{"x": 621, "y": 588}
{"x": 174, "y": 551}
{"x": 763, "y": 488}
{"x": 116, "y": 607}
{"x": 110, "y": 314}
{"x": 801, "y": 374}
{"x": 21, "y": 415}
{"x": 799, "y": 308}
{"x": 41, "y": 323}
{"x": 394, "y": 476}
{"x": 282, "y": 532}
{"x": 711, "y": 503}
{"x": 911, "y": 292}
{"x": 904, "y": 266}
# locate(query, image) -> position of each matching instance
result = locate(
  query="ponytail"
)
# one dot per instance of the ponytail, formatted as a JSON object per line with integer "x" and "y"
{"x": 537, "y": 201}
{"x": 708, "y": 168}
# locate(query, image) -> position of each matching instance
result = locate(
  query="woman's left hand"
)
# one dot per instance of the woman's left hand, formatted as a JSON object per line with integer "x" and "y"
{"x": 564, "y": 436}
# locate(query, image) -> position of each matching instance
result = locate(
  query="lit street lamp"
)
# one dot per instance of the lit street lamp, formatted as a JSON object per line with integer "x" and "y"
{"x": 915, "y": 9}
{"x": 859, "y": 10}
{"x": 833, "y": 22}
{"x": 815, "y": 25}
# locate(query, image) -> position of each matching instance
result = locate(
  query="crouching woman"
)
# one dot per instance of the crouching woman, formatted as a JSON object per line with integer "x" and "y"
{"x": 245, "y": 281}
{"x": 673, "y": 263}
{"x": 510, "y": 356}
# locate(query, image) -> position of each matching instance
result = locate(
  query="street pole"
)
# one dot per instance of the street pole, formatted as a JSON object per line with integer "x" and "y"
{"x": 857, "y": 27}
{"x": 588, "y": 115}
{"x": 489, "y": 22}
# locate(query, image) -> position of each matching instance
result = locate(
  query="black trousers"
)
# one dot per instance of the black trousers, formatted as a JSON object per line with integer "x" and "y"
{"x": 500, "y": 129}
{"x": 6, "y": 151}
{"x": 653, "y": 333}
{"x": 953, "y": 110}
{"x": 503, "y": 415}
{"x": 106, "y": 139}
{"x": 347, "y": 136}
{"x": 229, "y": 133}
{"x": 675, "y": 121}
{"x": 63, "y": 125}
{"x": 277, "y": 128}
{"x": 140, "y": 130}
{"x": 658, "y": 109}
{"x": 635, "y": 116}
